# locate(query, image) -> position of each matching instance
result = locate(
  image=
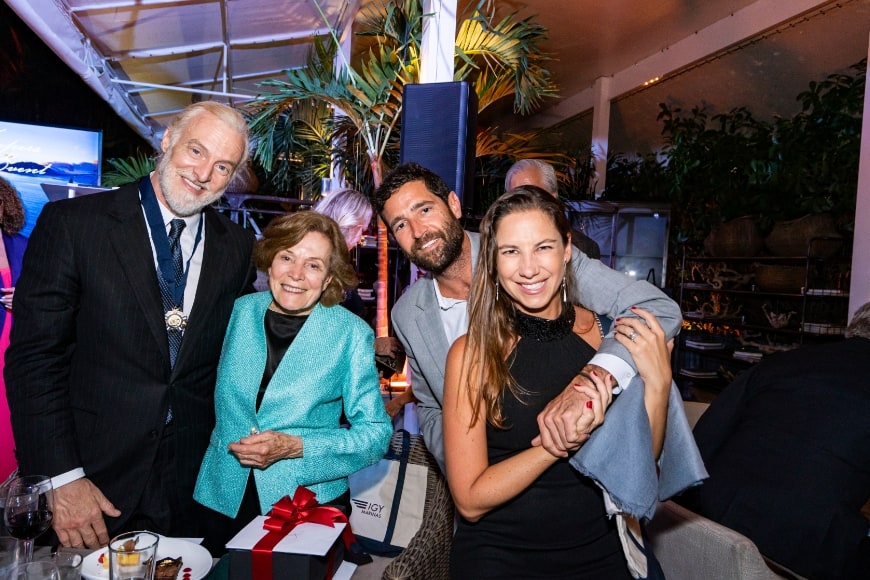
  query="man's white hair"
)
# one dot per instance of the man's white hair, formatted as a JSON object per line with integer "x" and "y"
{"x": 548, "y": 175}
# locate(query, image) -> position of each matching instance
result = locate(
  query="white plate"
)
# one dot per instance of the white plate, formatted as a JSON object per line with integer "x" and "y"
{"x": 193, "y": 556}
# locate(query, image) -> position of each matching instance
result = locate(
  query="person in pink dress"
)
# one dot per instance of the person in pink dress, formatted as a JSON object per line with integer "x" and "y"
{"x": 11, "y": 252}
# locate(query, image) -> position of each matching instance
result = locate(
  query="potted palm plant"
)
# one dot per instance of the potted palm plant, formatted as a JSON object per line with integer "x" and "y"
{"x": 501, "y": 58}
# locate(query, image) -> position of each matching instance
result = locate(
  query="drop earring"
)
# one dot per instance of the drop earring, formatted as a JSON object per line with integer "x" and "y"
{"x": 496, "y": 291}
{"x": 564, "y": 291}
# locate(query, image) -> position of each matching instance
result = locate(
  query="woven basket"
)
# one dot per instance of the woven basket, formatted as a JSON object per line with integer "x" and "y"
{"x": 779, "y": 278}
{"x": 427, "y": 556}
{"x": 800, "y": 237}
{"x": 736, "y": 238}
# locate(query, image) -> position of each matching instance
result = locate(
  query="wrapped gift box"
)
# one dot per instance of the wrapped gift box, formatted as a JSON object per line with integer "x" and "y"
{"x": 305, "y": 553}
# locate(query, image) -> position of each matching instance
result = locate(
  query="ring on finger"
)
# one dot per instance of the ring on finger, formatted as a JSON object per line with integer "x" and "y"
{"x": 633, "y": 336}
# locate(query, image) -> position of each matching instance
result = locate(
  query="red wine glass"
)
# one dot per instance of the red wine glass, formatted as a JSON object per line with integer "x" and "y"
{"x": 28, "y": 512}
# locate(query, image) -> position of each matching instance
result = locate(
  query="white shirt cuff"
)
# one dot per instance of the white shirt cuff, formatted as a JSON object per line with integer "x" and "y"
{"x": 621, "y": 370}
{"x": 68, "y": 477}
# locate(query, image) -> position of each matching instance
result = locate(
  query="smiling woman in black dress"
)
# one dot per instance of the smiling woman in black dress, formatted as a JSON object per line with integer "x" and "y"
{"x": 526, "y": 513}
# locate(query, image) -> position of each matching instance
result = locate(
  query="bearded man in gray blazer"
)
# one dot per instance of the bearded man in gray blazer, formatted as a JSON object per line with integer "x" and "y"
{"x": 423, "y": 215}
{"x": 111, "y": 369}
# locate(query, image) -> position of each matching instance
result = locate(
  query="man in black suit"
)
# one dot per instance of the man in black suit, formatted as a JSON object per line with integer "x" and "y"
{"x": 787, "y": 446}
{"x": 106, "y": 397}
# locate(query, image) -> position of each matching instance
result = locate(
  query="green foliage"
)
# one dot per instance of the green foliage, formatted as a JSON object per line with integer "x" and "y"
{"x": 500, "y": 58}
{"x": 504, "y": 59}
{"x": 126, "y": 170}
{"x": 815, "y": 155}
{"x": 367, "y": 103}
{"x": 579, "y": 178}
{"x": 297, "y": 150}
{"x": 640, "y": 178}
{"x": 710, "y": 166}
{"x": 714, "y": 169}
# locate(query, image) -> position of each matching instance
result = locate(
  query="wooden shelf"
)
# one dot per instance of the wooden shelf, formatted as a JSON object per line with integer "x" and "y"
{"x": 815, "y": 319}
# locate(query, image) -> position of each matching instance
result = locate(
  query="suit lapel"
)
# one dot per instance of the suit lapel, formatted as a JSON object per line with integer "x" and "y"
{"x": 431, "y": 330}
{"x": 129, "y": 237}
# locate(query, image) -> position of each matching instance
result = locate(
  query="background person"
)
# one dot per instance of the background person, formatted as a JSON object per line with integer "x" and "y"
{"x": 787, "y": 445}
{"x": 11, "y": 254}
{"x": 541, "y": 174}
{"x": 352, "y": 212}
{"x": 528, "y": 513}
{"x": 103, "y": 399}
{"x": 423, "y": 215}
{"x": 292, "y": 362}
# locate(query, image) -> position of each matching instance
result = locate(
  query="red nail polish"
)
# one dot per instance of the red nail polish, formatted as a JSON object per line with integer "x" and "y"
{"x": 588, "y": 404}
{"x": 594, "y": 374}
{"x": 618, "y": 319}
{"x": 634, "y": 307}
{"x": 577, "y": 385}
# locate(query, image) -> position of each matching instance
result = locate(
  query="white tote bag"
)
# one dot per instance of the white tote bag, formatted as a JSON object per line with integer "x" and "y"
{"x": 388, "y": 499}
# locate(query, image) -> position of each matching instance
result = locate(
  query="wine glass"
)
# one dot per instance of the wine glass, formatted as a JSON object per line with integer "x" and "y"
{"x": 28, "y": 512}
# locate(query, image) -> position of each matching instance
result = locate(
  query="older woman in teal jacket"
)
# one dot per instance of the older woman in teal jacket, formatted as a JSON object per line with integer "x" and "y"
{"x": 293, "y": 362}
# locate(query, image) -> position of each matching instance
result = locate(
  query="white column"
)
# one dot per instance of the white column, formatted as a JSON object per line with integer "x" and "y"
{"x": 601, "y": 130}
{"x": 859, "y": 291}
{"x": 439, "y": 41}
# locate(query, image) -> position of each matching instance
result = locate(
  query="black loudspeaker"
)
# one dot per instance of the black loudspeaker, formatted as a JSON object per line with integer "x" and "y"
{"x": 439, "y": 131}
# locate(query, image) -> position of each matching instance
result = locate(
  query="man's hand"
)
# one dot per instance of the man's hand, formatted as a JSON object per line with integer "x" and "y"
{"x": 387, "y": 346}
{"x": 397, "y": 403}
{"x": 78, "y": 514}
{"x": 566, "y": 422}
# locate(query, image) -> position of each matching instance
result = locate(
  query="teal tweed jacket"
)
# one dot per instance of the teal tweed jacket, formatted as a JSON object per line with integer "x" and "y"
{"x": 330, "y": 367}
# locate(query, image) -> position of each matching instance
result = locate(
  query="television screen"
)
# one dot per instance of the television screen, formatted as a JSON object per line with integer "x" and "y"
{"x": 33, "y": 155}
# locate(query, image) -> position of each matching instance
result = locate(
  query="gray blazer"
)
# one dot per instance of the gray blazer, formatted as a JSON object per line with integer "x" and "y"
{"x": 417, "y": 322}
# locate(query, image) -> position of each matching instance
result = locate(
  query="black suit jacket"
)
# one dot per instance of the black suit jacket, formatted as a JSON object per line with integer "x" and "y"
{"x": 787, "y": 446}
{"x": 87, "y": 372}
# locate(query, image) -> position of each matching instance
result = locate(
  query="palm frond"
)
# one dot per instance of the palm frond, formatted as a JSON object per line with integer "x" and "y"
{"x": 397, "y": 24}
{"x": 519, "y": 145}
{"x": 126, "y": 170}
{"x": 509, "y": 48}
{"x": 491, "y": 87}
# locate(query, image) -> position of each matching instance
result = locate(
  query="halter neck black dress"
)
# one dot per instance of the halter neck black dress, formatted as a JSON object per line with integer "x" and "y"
{"x": 556, "y": 528}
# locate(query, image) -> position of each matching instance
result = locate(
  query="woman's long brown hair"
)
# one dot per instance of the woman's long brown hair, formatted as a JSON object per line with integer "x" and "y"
{"x": 491, "y": 319}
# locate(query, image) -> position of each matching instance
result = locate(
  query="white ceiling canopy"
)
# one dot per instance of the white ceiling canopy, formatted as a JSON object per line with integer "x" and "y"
{"x": 150, "y": 58}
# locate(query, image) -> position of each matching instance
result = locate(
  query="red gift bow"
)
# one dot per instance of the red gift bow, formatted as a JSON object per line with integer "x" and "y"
{"x": 285, "y": 515}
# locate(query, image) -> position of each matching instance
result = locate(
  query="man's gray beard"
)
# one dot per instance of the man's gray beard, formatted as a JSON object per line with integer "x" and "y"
{"x": 453, "y": 238}
{"x": 178, "y": 204}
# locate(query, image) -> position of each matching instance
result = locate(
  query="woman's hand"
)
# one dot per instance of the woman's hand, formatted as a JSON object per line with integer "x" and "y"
{"x": 263, "y": 449}
{"x": 6, "y": 300}
{"x": 645, "y": 340}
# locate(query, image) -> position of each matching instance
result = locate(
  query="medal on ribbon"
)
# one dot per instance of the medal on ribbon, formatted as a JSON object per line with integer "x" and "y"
{"x": 176, "y": 320}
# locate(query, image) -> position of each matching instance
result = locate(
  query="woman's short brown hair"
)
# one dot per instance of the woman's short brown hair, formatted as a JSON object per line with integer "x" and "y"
{"x": 288, "y": 230}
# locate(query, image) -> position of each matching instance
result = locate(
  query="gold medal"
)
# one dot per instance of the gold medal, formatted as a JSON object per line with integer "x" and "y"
{"x": 175, "y": 320}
